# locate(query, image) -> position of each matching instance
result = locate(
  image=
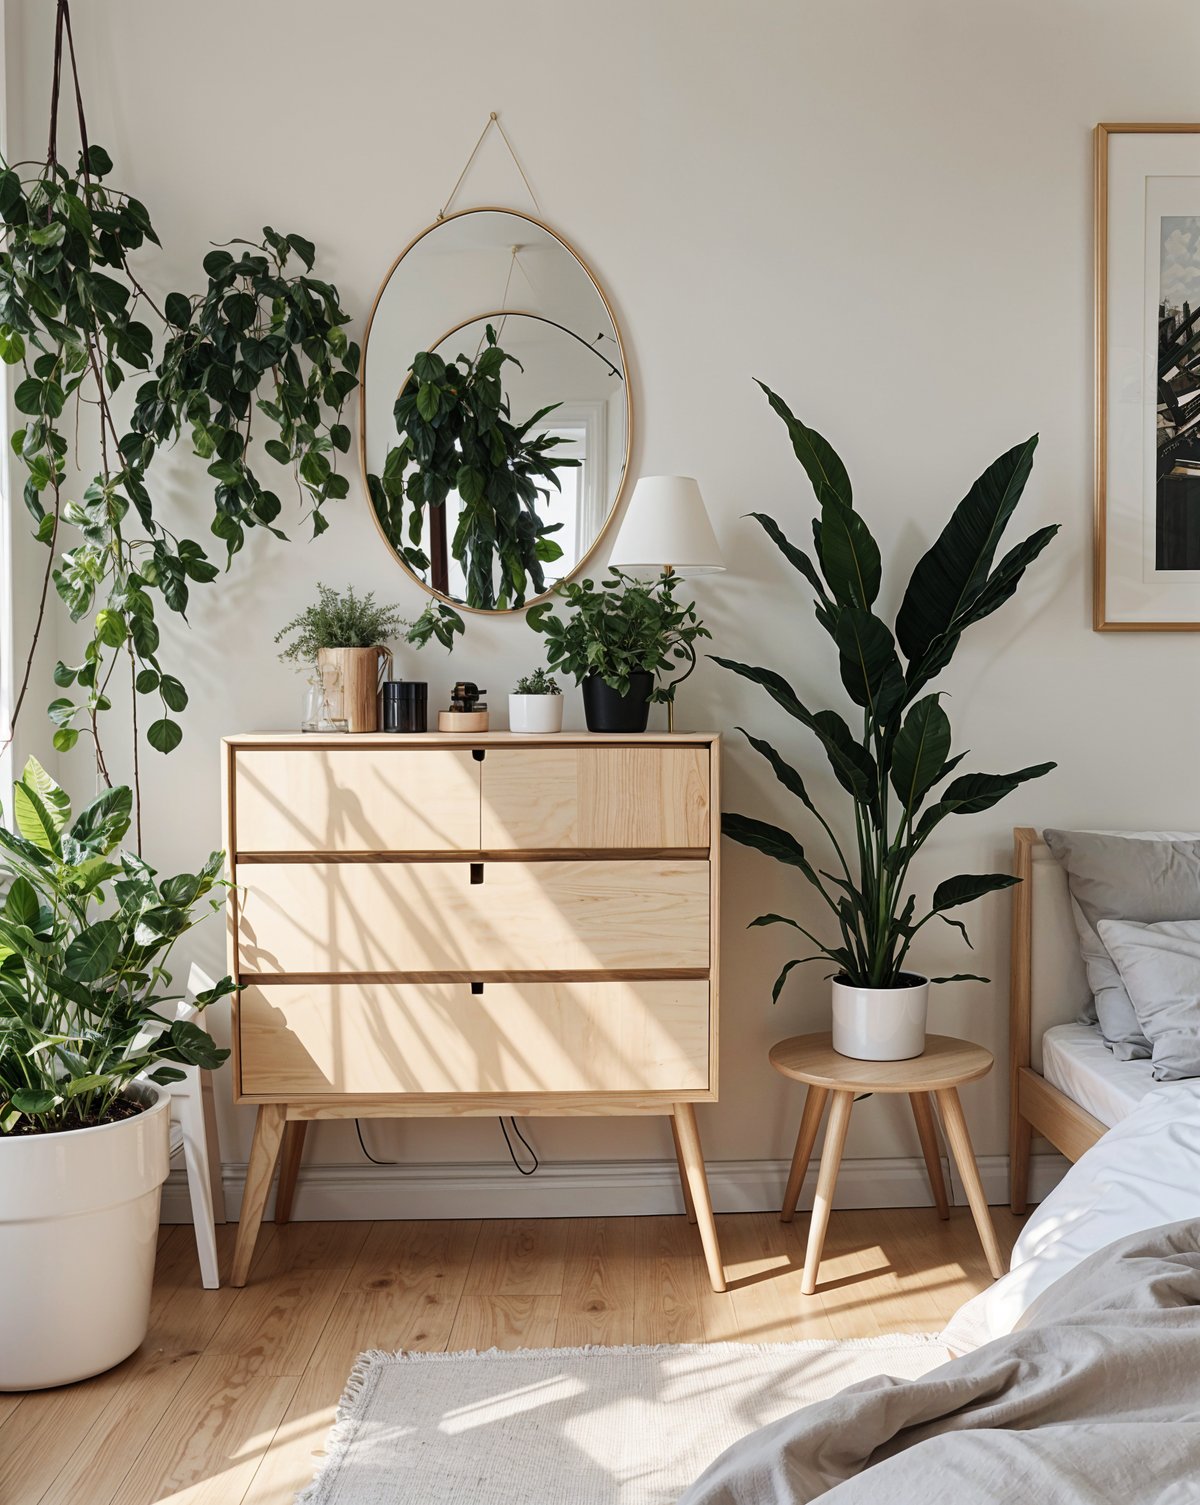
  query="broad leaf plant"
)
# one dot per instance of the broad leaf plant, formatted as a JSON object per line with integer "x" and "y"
{"x": 896, "y": 764}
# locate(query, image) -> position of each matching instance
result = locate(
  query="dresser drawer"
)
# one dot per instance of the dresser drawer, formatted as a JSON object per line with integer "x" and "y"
{"x": 602, "y": 798}
{"x": 355, "y": 799}
{"x": 375, "y": 1039}
{"x": 429, "y": 916}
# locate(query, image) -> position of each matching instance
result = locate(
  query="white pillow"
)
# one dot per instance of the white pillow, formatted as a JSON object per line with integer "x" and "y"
{"x": 1160, "y": 967}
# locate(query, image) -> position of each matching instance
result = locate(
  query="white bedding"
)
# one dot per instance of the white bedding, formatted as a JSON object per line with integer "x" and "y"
{"x": 1144, "y": 1172}
{"x": 1076, "y": 1060}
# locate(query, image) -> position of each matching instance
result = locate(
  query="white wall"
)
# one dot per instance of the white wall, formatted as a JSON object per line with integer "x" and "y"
{"x": 880, "y": 208}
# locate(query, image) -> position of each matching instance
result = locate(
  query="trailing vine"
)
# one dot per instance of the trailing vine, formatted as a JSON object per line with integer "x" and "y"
{"x": 263, "y": 345}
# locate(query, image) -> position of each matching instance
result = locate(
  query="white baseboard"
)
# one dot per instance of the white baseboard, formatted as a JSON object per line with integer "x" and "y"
{"x": 593, "y": 1188}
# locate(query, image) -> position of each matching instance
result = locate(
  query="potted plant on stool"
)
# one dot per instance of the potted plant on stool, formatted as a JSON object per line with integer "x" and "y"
{"x": 892, "y": 770}
{"x": 535, "y": 705}
{"x": 85, "y": 932}
{"x": 618, "y": 639}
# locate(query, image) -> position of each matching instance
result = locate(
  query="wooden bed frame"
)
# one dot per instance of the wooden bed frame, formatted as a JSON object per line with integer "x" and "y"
{"x": 1048, "y": 986}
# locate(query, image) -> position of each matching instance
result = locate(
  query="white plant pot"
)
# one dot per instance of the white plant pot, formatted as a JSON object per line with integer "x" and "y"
{"x": 880, "y": 1024}
{"x": 535, "y": 715}
{"x": 78, "y": 1234}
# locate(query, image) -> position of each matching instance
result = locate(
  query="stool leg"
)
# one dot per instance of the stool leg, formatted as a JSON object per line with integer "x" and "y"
{"x": 960, "y": 1143}
{"x": 810, "y": 1122}
{"x": 831, "y": 1159}
{"x": 927, "y": 1133}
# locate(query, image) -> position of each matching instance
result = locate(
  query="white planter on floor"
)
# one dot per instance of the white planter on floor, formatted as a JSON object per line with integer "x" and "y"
{"x": 78, "y": 1234}
{"x": 535, "y": 715}
{"x": 880, "y": 1024}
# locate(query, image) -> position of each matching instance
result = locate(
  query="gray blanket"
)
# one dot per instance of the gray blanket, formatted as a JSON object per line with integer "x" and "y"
{"x": 1095, "y": 1398}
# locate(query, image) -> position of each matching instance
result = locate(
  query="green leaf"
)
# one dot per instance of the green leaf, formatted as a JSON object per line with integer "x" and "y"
{"x": 92, "y": 952}
{"x": 56, "y": 799}
{"x": 972, "y": 793}
{"x": 178, "y": 310}
{"x": 173, "y": 693}
{"x": 870, "y": 668}
{"x": 849, "y": 556}
{"x": 146, "y": 682}
{"x": 953, "y": 571}
{"x": 800, "y": 561}
{"x": 36, "y": 823}
{"x": 821, "y": 462}
{"x": 919, "y": 751}
{"x": 12, "y": 345}
{"x": 429, "y": 399}
{"x": 968, "y": 887}
{"x": 110, "y": 628}
{"x": 99, "y": 163}
{"x": 22, "y": 905}
{"x": 164, "y": 735}
{"x": 186, "y": 1041}
{"x": 962, "y": 977}
{"x": 102, "y": 822}
{"x": 769, "y": 839}
{"x": 427, "y": 366}
{"x": 33, "y": 1100}
{"x": 305, "y": 249}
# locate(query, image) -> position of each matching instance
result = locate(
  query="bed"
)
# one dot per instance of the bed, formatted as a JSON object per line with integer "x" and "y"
{"x": 1066, "y": 1084}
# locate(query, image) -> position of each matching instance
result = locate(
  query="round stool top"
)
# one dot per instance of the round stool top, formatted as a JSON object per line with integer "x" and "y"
{"x": 945, "y": 1062}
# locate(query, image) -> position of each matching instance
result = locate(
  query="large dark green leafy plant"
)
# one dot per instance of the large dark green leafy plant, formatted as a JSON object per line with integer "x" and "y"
{"x": 457, "y": 435}
{"x": 893, "y": 766}
{"x": 85, "y": 934}
{"x": 620, "y": 628}
{"x": 259, "y": 348}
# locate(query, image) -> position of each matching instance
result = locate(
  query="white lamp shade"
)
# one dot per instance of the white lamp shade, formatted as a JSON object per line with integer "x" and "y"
{"x": 666, "y": 524}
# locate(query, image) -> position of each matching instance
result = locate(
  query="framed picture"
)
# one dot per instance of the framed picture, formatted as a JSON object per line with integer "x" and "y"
{"x": 1146, "y": 575}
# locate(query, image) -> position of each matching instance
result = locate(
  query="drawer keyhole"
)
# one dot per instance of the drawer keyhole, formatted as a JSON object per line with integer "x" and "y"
{"x": 477, "y": 872}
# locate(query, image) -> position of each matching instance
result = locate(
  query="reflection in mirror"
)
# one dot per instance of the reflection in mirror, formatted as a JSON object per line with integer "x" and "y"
{"x": 495, "y": 443}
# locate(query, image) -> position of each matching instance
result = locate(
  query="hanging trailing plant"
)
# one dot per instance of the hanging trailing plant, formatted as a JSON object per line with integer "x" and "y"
{"x": 261, "y": 343}
{"x": 457, "y": 436}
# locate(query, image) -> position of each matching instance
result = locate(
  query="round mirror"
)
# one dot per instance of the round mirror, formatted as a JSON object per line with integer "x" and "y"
{"x": 496, "y": 411}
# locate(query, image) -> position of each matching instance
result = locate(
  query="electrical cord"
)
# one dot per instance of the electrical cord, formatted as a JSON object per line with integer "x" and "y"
{"x": 525, "y": 1142}
{"x": 503, "y": 1129}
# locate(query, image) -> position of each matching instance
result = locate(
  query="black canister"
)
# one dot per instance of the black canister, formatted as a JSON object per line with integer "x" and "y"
{"x": 405, "y": 706}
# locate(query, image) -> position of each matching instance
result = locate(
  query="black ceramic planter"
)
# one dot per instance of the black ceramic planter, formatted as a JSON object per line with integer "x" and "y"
{"x": 607, "y": 711}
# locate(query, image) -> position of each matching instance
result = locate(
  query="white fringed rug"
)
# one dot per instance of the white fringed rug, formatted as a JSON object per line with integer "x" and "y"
{"x": 575, "y": 1426}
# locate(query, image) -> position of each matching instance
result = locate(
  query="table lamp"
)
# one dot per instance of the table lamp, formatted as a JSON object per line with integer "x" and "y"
{"x": 666, "y": 529}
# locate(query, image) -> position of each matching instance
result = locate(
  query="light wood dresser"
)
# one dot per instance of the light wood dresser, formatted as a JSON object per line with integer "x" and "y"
{"x": 488, "y": 924}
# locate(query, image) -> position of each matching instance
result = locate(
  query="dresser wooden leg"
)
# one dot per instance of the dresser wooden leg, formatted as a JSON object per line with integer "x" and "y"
{"x": 264, "y": 1151}
{"x": 831, "y": 1159}
{"x": 289, "y": 1167}
{"x": 689, "y": 1205}
{"x": 960, "y": 1144}
{"x": 692, "y": 1162}
{"x": 927, "y": 1134}
{"x": 810, "y": 1122}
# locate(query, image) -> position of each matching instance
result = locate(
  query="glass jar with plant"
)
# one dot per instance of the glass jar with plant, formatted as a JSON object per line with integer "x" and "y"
{"x": 618, "y": 639}
{"x": 86, "y": 1044}
{"x": 344, "y": 637}
{"x": 901, "y": 754}
{"x": 535, "y": 704}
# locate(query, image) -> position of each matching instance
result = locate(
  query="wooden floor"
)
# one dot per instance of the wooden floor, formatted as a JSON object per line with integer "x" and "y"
{"x": 233, "y": 1392}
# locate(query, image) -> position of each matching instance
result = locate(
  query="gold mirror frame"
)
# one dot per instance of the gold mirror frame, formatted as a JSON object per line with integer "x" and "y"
{"x": 362, "y": 404}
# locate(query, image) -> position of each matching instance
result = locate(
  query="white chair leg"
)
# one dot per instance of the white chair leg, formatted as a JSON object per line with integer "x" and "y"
{"x": 195, "y": 1151}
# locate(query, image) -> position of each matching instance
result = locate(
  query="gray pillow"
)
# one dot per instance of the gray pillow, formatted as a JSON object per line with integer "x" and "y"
{"x": 1146, "y": 877}
{"x": 1160, "y": 967}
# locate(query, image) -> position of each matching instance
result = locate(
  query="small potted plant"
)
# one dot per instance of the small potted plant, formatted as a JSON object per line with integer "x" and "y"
{"x": 619, "y": 638}
{"x": 345, "y": 636}
{"x": 85, "y": 933}
{"x": 535, "y": 705}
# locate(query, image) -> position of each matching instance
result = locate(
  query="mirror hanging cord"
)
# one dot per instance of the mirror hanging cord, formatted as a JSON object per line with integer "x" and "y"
{"x": 492, "y": 120}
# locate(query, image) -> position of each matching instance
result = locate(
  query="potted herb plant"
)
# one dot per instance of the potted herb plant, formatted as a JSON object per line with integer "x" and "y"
{"x": 85, "y": 934}
{"x": 535, "y": 704}
{"x": 618, "y": 639}
{"x": 345, "y": 636}
{"x": 893, "y": 767}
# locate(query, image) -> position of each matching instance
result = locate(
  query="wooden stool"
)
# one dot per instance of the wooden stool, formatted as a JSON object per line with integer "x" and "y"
{"x": 944, "y": 1066}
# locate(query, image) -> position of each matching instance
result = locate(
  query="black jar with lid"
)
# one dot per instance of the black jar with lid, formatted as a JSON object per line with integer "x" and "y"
{"x": 405, "y": 706}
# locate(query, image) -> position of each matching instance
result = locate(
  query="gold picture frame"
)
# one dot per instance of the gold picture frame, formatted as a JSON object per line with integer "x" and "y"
{"x": 1105, "y": 618}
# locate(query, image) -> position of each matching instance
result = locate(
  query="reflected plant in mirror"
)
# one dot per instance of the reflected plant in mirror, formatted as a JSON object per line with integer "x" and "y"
{"x": 496, "y": 413}
{"x": 457, "y": 435}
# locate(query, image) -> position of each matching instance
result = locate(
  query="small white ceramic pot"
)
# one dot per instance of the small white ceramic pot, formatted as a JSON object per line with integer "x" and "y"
{"x": 78, "y": 1236}
{"x": 880, "y": 1024}
{"x": 535, "y": 715}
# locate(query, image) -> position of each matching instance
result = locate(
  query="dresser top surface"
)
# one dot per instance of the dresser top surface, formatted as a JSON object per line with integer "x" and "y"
{"x": 467, "y": 739}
